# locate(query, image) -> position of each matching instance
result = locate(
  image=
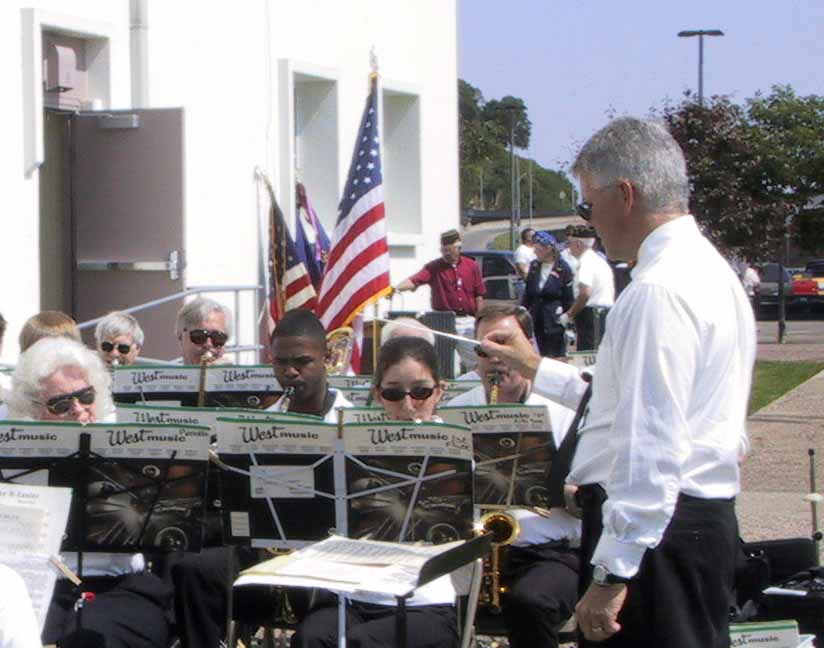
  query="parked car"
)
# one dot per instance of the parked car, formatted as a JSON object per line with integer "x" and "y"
{"x": 503, "y": 283}
{"x": 768, "y": 290}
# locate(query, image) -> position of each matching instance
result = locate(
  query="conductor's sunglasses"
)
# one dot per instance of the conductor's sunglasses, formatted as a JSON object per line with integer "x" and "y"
{"x": 199, "y": 337}
{"x": 123, "y": 349}
{"x": 395, "y": 394}
{"x": 584, "y": 210}
{"x": 61, "y": 404}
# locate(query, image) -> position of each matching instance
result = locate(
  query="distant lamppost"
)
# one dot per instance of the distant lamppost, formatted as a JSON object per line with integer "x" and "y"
{"x": 700, "y": 33}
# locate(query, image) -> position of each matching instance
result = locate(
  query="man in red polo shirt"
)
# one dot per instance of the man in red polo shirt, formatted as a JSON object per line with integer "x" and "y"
{"x": 456, "y": 285}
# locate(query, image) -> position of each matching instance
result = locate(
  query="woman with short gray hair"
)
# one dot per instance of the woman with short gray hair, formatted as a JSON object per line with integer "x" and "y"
{"x": 58, "y": 379}
{"x": 203, "y": 327}
{"x": 119, "y": 339}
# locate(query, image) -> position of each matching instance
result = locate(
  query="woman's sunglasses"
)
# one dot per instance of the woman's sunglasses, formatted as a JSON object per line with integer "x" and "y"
{"x": 61, "y": 404}
{"x": 123, "y": 349}
{"x": 395, "y": 394}
{"x": 199, "y": 337}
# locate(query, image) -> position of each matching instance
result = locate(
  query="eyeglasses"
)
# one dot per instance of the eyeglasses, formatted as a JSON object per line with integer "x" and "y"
{"x": 584, "y": 210}
{"x": 395, "y": 394}
{"x": 123, "y": 349}
{"x": 61, "y": 404}
{"x": 199, "y": 337}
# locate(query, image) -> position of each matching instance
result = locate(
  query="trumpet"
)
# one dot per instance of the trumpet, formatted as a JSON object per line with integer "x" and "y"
{"x": 503, "y": 530}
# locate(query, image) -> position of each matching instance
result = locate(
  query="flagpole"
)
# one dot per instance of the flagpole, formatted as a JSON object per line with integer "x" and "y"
{"x": 375, "y": 339}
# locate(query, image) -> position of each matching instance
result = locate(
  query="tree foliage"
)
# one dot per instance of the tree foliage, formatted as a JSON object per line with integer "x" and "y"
{"x": 753, "y": 168}
{"x": 485, "y": 159}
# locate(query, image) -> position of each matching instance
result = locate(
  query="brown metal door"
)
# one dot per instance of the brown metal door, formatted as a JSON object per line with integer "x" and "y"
{"x": 127, "y": 218}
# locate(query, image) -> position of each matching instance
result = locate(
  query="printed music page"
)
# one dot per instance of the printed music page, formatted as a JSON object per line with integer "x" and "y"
{"x": 32, "y": 522}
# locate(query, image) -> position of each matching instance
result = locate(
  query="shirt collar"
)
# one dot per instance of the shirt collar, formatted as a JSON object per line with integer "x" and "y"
{"x": 661, "y": 237}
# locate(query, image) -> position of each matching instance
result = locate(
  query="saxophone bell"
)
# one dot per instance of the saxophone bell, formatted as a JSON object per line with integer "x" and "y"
{"x": 503, "y": 530}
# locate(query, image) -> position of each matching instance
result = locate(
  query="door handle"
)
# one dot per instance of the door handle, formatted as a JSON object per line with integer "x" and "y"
{"x": 172, "y": 265}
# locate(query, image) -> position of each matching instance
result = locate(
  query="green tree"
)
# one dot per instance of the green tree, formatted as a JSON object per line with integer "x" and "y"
{"x": 509, "y": 113}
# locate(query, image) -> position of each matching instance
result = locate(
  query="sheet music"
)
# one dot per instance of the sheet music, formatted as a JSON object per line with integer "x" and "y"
{"x": 513, "y": 449}
{"x": 345, "y": 565}
{"x": 148, "y": 379}
{"x": 364, "y": 415}
{"x": 32, "y": 522}
{"x": 221, "y": 378}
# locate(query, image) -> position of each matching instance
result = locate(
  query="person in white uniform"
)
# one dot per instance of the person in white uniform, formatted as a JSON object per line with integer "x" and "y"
{"x": 658, "y": 453}
{"x": 542, "y": 570}
{"x": 525, "y": 252}
{"x": 593, "y": 287}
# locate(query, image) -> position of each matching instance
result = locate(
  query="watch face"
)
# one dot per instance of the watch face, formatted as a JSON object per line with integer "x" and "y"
{"x": 600, "y": 574}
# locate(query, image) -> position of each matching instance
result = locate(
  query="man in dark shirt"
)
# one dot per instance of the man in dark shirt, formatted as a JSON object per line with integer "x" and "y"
{"x": 456, "y": 285}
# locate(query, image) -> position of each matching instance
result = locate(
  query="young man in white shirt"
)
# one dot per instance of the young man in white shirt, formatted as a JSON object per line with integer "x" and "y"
{"x": 594, "y": 290}
{"x": 658, "y": 455}
{"x": 202, "y": 581}
{"x": 542, "y": 570}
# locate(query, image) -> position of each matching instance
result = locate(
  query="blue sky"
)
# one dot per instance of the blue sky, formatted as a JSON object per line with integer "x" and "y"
{"x": 574, "y": 61}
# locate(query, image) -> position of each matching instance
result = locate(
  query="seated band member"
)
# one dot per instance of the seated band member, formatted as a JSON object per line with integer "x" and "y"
{"x": 201, "y": 581}
{"x": 542, "y": 571}
{"x": 119, "y": 339}
{"x": 203, "y": 326}
{"x": 61, "y": 380}
{"x": 408, "y": 386}
{"x": 47, "y": 324}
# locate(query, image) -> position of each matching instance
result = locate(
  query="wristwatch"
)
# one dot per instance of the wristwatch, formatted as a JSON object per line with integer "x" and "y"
{"x": 601, "y": 576}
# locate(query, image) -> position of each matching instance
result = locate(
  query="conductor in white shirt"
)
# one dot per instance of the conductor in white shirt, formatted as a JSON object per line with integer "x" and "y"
{"x": 658, "y": 453}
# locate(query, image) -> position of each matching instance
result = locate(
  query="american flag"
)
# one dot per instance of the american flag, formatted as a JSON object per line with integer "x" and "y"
{"x": 357, "y": 272}
{"x": 290, "y": 285}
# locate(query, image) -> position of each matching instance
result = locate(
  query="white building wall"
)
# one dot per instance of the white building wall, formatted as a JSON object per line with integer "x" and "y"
{"x": 223, "y": 63}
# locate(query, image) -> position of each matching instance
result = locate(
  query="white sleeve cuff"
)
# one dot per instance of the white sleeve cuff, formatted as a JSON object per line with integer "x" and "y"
{"x": 559, "y": 382}
{"x": 620, "y": 558}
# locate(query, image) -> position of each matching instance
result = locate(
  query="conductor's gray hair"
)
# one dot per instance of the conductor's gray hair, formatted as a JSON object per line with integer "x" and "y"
{"x": 644, "y": 152}
{"x": 197, "y": 310}
{"x": 45, "y": 357}
{"x": 406, "y": 327}
{"x": 116, "y": 324}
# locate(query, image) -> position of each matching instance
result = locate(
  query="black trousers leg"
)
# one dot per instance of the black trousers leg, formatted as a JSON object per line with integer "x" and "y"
{"x": 684, "y": 588}
{"x": 127, "y": 612}
{"x": 542, "y": 595}
{"x": 585, "y": 330}
{"x": 201, "y": 586}
{"x": 373, "y": 626}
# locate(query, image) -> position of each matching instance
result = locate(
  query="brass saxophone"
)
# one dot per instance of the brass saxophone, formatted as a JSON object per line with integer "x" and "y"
{"x": 503, "y": 530}
{"x": 205, "y": 359}
{"x": 494, "y": 388}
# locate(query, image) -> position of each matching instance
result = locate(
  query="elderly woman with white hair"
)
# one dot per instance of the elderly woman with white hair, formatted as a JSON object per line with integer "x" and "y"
{"x": 60, "y": 380}
{"x": 119, "y": 339}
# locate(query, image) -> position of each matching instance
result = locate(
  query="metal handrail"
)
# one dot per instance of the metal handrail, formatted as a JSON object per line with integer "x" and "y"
{"x": 195, "y": 290}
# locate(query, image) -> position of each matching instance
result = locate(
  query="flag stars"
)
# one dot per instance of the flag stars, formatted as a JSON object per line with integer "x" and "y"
{"x": 367, "y": 180}
{"x": 373, "y": 153}
{"x": 370, "y": 166}
{"x": 356, "y": 181}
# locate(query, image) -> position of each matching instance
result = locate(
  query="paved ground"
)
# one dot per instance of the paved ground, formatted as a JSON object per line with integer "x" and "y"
{"x": 775, "y": 476}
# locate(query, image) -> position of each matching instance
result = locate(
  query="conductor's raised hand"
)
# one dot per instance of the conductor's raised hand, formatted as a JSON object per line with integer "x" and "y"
{"x": 513, "y": 348}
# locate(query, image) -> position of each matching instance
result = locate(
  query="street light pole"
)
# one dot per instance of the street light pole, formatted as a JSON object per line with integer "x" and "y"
{"x": 700, "y": 33}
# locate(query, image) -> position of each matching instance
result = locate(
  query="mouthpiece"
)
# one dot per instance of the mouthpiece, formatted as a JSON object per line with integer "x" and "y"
{"x": 115, "y": 362}
{"x": 207, "y": 357}
{"x": 286, "y": 401}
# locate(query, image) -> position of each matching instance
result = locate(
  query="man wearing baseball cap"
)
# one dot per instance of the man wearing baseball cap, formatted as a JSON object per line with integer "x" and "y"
{"x": 456, "y": 284}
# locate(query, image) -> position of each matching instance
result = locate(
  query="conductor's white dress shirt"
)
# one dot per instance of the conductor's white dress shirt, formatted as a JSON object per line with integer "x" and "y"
{"x": 669, "y": 398}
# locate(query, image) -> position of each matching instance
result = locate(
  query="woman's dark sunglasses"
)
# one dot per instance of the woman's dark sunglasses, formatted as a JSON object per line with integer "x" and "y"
{"x": 108, "y": 347}
{"x": 584, "y": 210}
{"x": 395, "y": 394}
{"x": 199, "y": 336}
{"x": 61, "y": 404}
